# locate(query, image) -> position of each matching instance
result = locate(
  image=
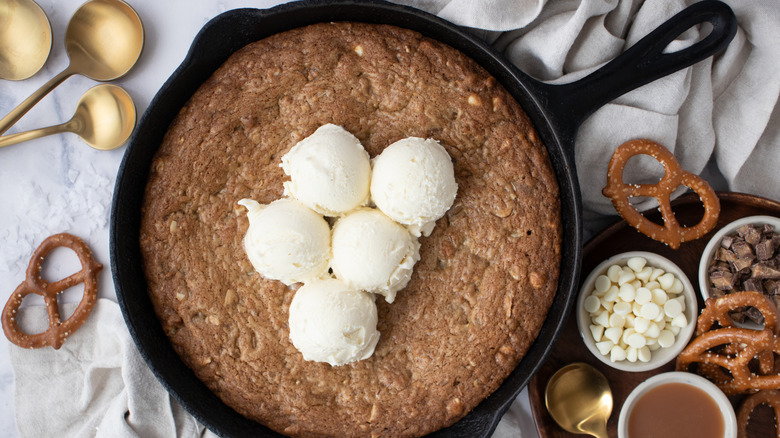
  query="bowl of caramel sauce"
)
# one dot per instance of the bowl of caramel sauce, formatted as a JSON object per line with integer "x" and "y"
{"x": 677, "y": 404}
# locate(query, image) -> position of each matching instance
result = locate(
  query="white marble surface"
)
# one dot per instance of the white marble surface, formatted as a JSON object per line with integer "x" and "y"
{"x": 59, "y": 184}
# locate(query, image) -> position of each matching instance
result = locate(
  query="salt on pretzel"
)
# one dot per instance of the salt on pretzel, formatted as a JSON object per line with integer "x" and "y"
{"x": 752, "y": 342}
{"x": 671, "y": 233}
{"x": 769, "y": 397}
{"x": 58, "y": 329}
{"x": 717, "y": 310}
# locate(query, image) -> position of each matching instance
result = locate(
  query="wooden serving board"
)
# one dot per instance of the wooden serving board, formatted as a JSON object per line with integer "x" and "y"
{"x": 619, "y": 238}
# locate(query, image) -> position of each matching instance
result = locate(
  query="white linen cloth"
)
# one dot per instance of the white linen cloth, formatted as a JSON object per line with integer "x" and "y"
{"x": 95, "y": 385}
{"x": 721, "y": 111}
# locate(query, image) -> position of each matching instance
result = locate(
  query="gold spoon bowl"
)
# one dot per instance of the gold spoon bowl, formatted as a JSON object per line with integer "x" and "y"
{"x": 25, "y": 39}
{"x": 579, "y": 399}
{"x": 105, "y": 118}
{"x": 104, "y": 40}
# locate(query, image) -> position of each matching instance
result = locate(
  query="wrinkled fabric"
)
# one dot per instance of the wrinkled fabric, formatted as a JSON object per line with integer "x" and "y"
{"x": 720, "y": 110}
{"x": 95, "y": 385}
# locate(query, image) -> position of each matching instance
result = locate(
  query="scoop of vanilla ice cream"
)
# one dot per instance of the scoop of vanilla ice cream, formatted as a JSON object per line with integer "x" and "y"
{"x": 413, "y": 182}
{"x": 329, "y": 171}
{"x": 286, "y": 240}
{"x": 333, "y": 322}
{"x": 372, "y": 253}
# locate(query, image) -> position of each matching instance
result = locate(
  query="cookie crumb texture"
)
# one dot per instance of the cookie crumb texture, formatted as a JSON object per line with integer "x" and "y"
{"x": 486, "y": 277}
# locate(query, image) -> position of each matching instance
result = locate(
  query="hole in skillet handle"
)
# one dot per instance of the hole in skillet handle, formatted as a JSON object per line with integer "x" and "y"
{"x": 570, "y": 104}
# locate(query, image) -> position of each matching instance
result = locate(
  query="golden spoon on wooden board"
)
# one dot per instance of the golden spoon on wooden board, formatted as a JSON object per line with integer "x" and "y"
{"x": 104, "y": 119}
{"x": 25, "y": 39}
{"x": 104, "y": 40}
{"x": 579, "y": 399}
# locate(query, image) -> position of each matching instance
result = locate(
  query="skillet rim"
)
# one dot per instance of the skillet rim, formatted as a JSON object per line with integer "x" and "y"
{"x": 133, "y": 172}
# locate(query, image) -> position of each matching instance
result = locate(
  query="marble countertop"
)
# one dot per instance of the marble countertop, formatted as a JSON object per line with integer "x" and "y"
{"x": 59, "y": 184}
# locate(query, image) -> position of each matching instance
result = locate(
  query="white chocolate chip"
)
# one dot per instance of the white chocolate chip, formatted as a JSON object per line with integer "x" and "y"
{"x": 613, "y": 272}
{"x": 602, "y": 284}
{"x": 657, "y": 272}
{"x": 602, "y": 319}
{"x": 643, "y": 354}
{"x": 616, "y": 320}
{"x": 592, "y": 304}
{"x": 659, "y": 296}
{"x": 626, "y": 333}
{"x": 596, "y": 331}
{"x": 611, "y": 294}
{"x": 622, "y": 308}
{"x": 616, "y": 354}
{"x": 636, "y": 340}
{"x": 643, "y": 295}
{"x": 652, "y": 331}
{"x": 681, "y": 299}
{"x": 641, "y": 324}
{"x": 636, "y": 263}
{"x": 666, "y": 281}
{"x": 672, "y": 308}
{"x": 604, "y": 347}
{"x": 631, "y": 354}
{"x": 627, "y": 292}
{"x": 650, "y": 311}
{"x": 677, "y": 287}
{"x": 626, "y": 277}
{"x": 680, "y": 321}
{"x": 613, "y": 334}
{"x": 665, "y": 338}
{"x": 607, "y": 305}
{"x": 644, "y": 274}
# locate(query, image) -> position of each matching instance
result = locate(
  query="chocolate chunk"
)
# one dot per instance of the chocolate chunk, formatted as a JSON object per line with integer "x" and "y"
{"x": 752, "y": 284}
{"x": 755, "y": 315}
{"x": 739, "y": 317}
{"x": 753, "y": 236}
{"x": 725, "y": 255}
{"x": 743, "y": 230}
{"x": 742, "y": 249}
{"x": 764, "y": 250}
{"x": 747, "y": 260}
{"x": 742, "y": 264}
{"x": 722, "y": 280}
{"x": 764, "y": 271}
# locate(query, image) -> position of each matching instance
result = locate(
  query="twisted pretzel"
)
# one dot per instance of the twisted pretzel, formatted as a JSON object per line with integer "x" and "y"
{"x": 58, "y": 329}
{"x": 718, "y": 310}
{"x": 752, "y": 342}
{"x": 671, "y": 233}
{"x": 769, "y": 397}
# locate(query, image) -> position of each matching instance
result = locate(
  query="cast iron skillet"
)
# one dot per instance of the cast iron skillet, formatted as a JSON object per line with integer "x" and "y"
{"x": 556, "y": 111}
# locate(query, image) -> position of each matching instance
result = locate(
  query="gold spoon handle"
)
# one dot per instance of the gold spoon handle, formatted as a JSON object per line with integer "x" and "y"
{"x": 8, "y": 140}
{"x": 17, "y": 113}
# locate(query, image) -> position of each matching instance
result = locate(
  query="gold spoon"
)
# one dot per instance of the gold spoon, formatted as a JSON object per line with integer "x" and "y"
{"x": 579, "y": 399}
{"x": 104, "y": 118}
{"x": 104, "y": 40}
{"x": 25, "y": 39}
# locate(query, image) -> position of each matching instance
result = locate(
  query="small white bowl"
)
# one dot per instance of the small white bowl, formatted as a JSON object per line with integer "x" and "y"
{"x": 729, "y": 418}
{"x": 712, "y": 247}
{"x": 661, "y": 356}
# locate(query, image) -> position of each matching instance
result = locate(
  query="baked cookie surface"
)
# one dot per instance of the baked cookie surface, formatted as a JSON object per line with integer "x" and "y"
{"x": 478, "y": 296}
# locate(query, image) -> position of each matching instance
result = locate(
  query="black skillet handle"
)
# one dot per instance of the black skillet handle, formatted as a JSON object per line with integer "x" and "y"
{"x": 644, "y": 62}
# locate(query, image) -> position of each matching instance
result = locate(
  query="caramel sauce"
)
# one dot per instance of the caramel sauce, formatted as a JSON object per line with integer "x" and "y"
{"x": 675, "y": 410}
